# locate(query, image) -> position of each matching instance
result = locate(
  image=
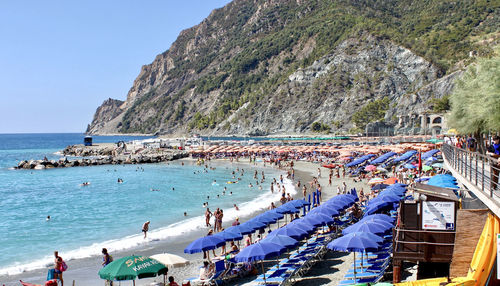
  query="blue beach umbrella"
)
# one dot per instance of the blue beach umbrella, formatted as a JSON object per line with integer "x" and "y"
{"x": 376, "y": 220}
{"x": 378, "y": 206}
{"x": 338, "y": 206}
{"x": 295, "y": 233}
{"x": 287, "y": 209}
{"x": 284, "y": 240}
{"x": 318, "y": 219}
{"x": 259, "y": 251}
{"x": 298, "y": 203}
{"x": 379, "y": 187}
{"x": 409, "y": 166}
{"x": 262, "y": 218}
{"x": 383, "y": 217}
{"x": 342, "y": 201}
{"x": 230, "y": 233}
{"x": 368, "y": 226}
{"x": 354, "y": 242}
{"x": 254, "y": 225}
{"x": 302, "y": 225}
{"x": 390, "y": 195}
{"x": 389, "y": 199}
{"x": 205, "y": 243}
{"x": 272, "y": 215}
{"x": 245, "y": 228}
{"x": 326, "y": 210}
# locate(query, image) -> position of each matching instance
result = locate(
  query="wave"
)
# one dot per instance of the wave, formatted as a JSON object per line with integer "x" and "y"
{"x": 171, "y": 231}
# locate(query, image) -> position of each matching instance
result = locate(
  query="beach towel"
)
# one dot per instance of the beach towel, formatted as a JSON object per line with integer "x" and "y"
{"x": 50, "y": 274}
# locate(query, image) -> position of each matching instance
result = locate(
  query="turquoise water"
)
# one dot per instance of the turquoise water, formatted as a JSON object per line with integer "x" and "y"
{"x": 106, "y": 213}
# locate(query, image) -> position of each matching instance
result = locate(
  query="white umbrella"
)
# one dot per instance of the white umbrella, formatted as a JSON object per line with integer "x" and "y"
{"x": 171, "y": 260}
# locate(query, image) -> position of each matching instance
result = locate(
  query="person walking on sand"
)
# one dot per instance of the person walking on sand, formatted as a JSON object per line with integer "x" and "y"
{"x": 106, "y": 259}
{"x": 57, "y": 267}
{"x": 145, "y": 228}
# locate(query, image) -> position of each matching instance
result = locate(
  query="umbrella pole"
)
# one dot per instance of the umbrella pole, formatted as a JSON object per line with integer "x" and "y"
{"x": 355, "y": 266}
{"x": 133, "y": 282}
{"x": 263, "y": 273}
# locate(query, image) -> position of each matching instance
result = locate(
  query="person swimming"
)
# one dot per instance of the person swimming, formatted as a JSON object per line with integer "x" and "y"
{"x": 48, "y": 218}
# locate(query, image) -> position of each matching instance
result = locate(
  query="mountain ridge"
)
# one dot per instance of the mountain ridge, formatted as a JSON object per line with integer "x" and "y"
{"x": 232, "y": 73}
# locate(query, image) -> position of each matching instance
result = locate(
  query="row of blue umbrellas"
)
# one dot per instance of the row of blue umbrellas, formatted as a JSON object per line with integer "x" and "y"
{"x": 288, "y": 236}
{"x": 363, "y": 236}
{"x": 236, "y": 232}
{"x": 280, "y": 239}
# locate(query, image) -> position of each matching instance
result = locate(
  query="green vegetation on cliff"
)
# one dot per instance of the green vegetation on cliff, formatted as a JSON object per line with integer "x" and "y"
{"x": 241, "y": 68}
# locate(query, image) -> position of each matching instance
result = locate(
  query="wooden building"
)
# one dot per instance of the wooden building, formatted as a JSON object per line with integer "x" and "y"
{"x": 425, "y": 233}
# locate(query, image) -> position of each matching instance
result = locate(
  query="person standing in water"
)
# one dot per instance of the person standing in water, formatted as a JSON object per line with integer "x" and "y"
{"x": 145, "y": 228}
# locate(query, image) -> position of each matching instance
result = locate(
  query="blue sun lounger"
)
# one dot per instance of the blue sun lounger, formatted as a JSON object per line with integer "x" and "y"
{"x": 360, "y": 280}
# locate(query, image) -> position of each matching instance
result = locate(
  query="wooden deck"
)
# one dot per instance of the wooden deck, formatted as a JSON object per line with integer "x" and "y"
{"x": 470, "y": 224}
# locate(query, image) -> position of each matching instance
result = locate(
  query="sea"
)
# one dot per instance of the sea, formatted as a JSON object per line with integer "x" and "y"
{"x": 105, "y": 213}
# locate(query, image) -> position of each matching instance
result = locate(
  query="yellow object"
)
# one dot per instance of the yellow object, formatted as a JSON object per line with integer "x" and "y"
{"x": 481, "y": 264}
{"x": 424, "y": 282}
{"x": 485, "y": 253}
{"x": 462, "y": 281}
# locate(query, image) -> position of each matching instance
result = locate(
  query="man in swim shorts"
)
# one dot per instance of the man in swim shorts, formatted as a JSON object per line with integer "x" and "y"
{"x": 145, "y": 228}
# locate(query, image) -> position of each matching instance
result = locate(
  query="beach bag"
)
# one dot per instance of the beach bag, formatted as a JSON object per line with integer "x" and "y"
{"x": 63, "y": 267}
{"x": 50, "y": 274}
{"x": 51, "y": 282}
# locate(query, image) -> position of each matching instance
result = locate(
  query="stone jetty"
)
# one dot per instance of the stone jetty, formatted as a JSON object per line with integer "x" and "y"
{"x": 104, "y": 154}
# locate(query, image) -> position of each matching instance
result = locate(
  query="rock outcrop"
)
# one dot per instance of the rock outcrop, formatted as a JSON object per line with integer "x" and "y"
{"x": 98, "y": 158}
{"x": 105, "y": 114}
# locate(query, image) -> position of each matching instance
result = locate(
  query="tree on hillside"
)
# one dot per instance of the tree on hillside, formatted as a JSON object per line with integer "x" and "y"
{"x": 475, "y": 101}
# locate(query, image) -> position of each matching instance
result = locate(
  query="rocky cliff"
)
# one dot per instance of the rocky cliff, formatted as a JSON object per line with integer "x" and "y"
{"x": 277, "y": 66}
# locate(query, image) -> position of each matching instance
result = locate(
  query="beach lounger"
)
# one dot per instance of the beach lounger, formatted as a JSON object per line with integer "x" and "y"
{"x": 279, "y": 277}
{"x": 360, "y": 280}
{"x": 361, "y": 275}
{"x": 216, "y": 279}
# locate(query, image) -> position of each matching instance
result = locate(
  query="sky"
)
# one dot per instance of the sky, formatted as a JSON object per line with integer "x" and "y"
{"x": 59, "y": 60}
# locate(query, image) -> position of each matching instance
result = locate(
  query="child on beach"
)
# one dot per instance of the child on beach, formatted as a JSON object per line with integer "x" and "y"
{"x": 171, "y": 281}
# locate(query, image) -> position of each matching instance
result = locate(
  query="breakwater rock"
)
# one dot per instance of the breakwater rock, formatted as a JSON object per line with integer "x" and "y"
{"x": 103, "y": 160}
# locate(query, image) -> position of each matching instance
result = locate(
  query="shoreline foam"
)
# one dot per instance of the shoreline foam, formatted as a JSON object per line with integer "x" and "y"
{"x": 165, "y": 234}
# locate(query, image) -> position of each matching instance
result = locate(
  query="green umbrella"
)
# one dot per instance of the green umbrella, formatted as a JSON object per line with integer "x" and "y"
{"x": 426, "y": 168}
{"x": 434, "y": 141}
{"x": 132, "y": 267}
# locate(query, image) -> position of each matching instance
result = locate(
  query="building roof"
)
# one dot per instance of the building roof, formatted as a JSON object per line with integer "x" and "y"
{"x": 443, "y": 193}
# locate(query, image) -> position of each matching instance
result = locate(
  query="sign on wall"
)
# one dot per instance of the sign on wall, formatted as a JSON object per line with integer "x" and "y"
{"x": 438, "y": 215}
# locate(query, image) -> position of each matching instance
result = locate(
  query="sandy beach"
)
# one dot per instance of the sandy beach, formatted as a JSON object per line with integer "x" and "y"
{"x": 331, "y": 270}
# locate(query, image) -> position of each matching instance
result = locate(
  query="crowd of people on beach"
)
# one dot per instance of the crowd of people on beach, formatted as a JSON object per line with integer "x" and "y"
{"x": 338, "y": 172}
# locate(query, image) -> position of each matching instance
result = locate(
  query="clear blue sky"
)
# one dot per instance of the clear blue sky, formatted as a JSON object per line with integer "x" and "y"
{"x": 59, "y": 60}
